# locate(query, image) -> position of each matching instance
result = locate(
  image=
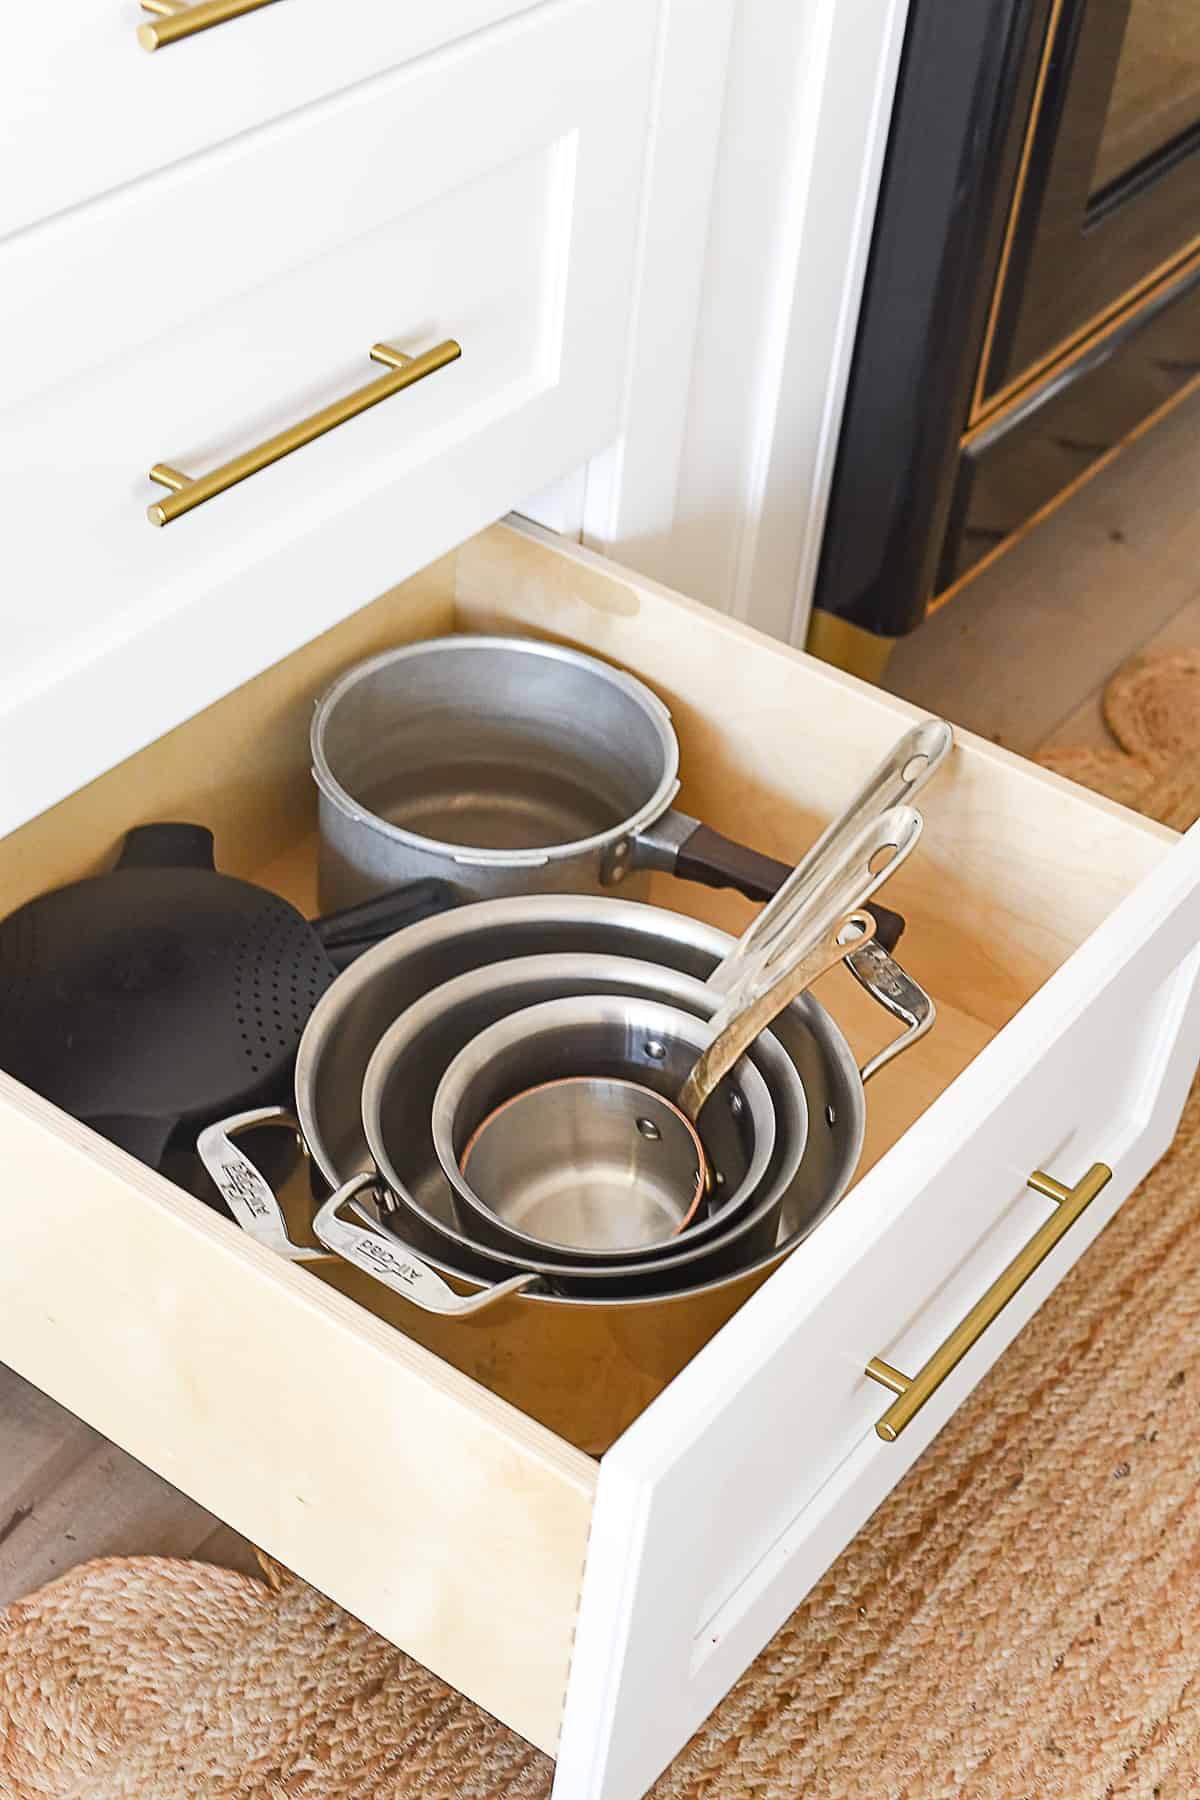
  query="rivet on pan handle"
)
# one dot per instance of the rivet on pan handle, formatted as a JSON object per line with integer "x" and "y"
{"x": 913, "y": 1391}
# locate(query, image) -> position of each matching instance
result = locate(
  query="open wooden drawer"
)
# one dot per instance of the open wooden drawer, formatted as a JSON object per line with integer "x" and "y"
{"x": 603, "y": 1607}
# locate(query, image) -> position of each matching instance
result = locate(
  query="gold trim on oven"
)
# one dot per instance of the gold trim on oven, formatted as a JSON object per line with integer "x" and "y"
{"x": 1093, "y": 332}
{"x": 1064, "y": 494}
{"x": 1014, "y": 212}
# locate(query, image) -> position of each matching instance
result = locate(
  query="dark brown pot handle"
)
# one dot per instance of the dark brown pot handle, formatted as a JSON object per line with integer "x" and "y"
{"x": 712, "y": 859}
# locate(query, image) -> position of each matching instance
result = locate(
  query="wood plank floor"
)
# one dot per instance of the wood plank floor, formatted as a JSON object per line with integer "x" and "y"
{"x": 1021, "y": 656}
{"x": 67, "y": 1494}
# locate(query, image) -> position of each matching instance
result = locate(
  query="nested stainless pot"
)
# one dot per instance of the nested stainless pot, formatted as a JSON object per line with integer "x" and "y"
{"x": 585, "y": 1368}
{"x": 499, "y": 1107}
{"x": 760, "y": 1141}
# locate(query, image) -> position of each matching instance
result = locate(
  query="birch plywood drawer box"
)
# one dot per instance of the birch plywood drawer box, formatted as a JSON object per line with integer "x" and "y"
{"x": 601, "y": 1605}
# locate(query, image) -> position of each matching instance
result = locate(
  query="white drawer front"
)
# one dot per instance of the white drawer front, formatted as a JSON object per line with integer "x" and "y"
{"x": 733, "y": 1493}
{"x": 484, "y": 195}
{"x": 89, "y": 109}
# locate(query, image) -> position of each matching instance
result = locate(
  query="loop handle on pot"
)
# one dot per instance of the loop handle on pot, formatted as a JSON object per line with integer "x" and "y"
{"x": 881, "y": 976}
{"x": 391, "y": 1262}
{"x": 249, "y": 1195}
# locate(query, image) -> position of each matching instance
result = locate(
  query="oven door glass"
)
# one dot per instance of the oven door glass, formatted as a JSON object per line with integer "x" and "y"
{"x": 1155, "y": 99}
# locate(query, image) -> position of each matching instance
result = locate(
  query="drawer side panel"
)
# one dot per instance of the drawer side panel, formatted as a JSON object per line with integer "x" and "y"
{"x": 438, "y": 1515}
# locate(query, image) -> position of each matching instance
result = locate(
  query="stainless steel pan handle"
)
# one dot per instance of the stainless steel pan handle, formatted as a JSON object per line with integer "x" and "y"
{"x": 390, "y": 1261}
{"x": 801, "y": 913}
{"x": 911, "y": 762}
{"x": 903, "y": 772}
{"x": 249, "y": 1195}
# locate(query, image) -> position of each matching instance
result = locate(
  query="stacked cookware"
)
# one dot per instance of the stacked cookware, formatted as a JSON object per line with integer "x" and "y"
{"x": 557, "y": 1134}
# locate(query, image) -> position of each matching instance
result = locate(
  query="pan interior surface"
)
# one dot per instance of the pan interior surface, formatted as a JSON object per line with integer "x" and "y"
{"x": 588, "y": 1164}
{"x": 494, "y": 746}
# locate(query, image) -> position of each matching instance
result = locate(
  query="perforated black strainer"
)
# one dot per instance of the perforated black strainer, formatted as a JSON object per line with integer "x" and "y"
{"x": 163, "y": 994}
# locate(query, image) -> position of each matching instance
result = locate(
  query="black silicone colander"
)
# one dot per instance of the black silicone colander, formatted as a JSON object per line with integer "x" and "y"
{"x": 165, "y": 995}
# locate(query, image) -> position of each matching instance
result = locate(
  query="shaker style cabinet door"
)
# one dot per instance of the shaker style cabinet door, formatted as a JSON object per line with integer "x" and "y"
{"x": 85, "y": 108}
{"x": 482, "y": 200}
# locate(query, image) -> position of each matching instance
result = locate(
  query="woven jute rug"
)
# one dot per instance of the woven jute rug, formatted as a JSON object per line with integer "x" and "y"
{"x": 1021, "y": 1618}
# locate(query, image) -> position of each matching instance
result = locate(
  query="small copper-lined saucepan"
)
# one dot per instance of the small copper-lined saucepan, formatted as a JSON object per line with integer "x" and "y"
{"x": 591, "y": 1163}
{"x": 754, "y": 1131}
{"x": 604, "y": 1164}
{"x": 552, "y": 1140}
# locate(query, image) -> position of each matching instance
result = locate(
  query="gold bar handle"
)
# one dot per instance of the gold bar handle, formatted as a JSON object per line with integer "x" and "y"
{"x": 177, "y": 19}
{"x": 913, "y": 1391}
{"x": 403, "y": 372}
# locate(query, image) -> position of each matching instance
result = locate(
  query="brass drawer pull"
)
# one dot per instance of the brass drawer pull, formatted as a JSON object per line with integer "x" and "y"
{"x": 177, "y": 19}
{"x": 914, "y": 1391}
{"x": 403, "y": 372}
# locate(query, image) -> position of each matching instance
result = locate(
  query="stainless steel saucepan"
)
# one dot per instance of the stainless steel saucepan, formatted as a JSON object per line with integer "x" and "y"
{"x": 533, "y": 1146}
{"x": 756, "y": 1133}
{"x": 511, "y": 765}
{"x": 553, "y": 1138}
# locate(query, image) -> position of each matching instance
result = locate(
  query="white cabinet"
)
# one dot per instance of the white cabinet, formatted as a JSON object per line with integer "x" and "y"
{"x": 512, "y": 190}
{"x": 484, "y": 195}
{"x": 88, "y": 109}
{"x": 371, "y": 1447}
{"x": 722, "y": 475}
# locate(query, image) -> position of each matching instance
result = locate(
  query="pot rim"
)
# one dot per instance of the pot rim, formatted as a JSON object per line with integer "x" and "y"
{"x": 482, "y": 914}
{"x": 476, "y": 856}
{"x": 668, "y": 1018}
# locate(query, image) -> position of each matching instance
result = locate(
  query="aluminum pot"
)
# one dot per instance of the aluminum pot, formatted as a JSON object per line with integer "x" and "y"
{"x": 763, "y": 1141}
{"x": 514, "y": 766}
{"x": 585, "y": 1370}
